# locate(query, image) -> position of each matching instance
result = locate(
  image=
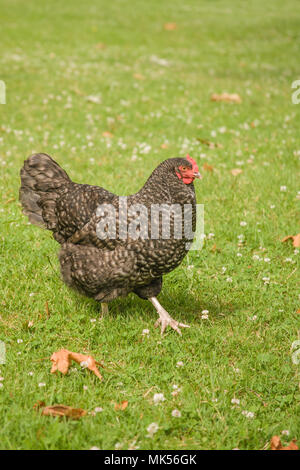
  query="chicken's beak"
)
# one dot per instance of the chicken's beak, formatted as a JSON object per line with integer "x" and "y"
{"x": 197, "y": 175}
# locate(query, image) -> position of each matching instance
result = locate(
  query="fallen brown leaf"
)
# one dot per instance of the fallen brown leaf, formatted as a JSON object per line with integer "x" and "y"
{"x": 121, "y": 406}
{"x": 295, "y": 238}
{"x": 107, "y": 134}
{"x": 139, "y": 76}
{"x": 236, "y": 171}
{"x": 208, "y": 167}
{"x": 215, "y": 249}
{"x": 226, "y": 97}
{"x": 39, "y": 404}
{"x": 170, "y": 26}
{"x": 276, "y": 444}
{"x": 100, "y": 45}
{"x": 61, "y": 360}
{"x": 209, "y": 144}
{"x": 63, "y": 410}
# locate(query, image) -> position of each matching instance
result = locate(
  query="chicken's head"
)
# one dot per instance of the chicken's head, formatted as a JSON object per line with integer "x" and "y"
{"x": 189, "y": 171}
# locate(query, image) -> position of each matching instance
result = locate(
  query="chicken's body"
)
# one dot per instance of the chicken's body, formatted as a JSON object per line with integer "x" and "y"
{"x": 107, "y": 268}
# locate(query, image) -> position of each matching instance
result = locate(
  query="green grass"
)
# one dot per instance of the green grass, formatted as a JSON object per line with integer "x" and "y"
{"x": 53, "y": 56}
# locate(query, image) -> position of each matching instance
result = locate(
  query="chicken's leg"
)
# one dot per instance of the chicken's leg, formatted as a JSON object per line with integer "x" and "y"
{"x": 104, "y": 309}
{"x": 164, "y": 317}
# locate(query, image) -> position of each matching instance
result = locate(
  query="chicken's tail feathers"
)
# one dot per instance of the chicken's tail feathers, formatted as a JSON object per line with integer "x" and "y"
{"x": 42, "y": 181}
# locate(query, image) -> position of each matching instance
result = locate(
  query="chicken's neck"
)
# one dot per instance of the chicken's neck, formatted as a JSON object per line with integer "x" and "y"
{"x": 161, "y": 190}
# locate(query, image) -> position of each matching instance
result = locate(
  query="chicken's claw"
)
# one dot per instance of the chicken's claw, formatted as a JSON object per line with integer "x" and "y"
{"x": 172, "y": 323}
{"x": 164, "y": 318}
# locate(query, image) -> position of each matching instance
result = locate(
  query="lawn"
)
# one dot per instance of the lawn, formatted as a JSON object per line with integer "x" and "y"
{"x": 109, "y": 90}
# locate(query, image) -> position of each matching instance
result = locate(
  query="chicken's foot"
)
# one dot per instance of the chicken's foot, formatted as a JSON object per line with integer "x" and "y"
{"x": 164, "y": 318}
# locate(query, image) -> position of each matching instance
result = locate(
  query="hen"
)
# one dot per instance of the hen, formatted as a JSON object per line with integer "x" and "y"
{"x": 111, "y": 245}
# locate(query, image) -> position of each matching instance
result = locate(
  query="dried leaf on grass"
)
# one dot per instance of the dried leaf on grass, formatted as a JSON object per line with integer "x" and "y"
{"x": 107, "y": 134}
{"x": 100, "y": 45}
{"x": 139, "y": 76}
{"x": 236, "y": 171}
{"x": 60, "y": 410}
{"x": 295, "y": 238}
{"x": 39, "y": 404}
{"x": 226, "y": 97}
{"x": 208, "y": 167}
{"x": 170, "y": 26}
{"x": 121, "y": 406}
{"x": 209, "y": 144}
{"x": 61, "y": 360}
{"x": 276, "y": 444}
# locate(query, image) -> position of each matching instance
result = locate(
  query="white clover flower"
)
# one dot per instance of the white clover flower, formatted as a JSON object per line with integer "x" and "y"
{"x": 145, "y": 332}
{"x": 176, "y": 390}
{"x": 266, "y": 280}
{"x": 243, "y": 223}
{"x": 19, "y": 341}
{"x": 176, "y": 414}
{"x": 94, "y": 448}
{"x": 42, "y": 384}
{"x": 229, "y": 279}
{"x": 255, "y": 257}
{"x": 285, "y": 432}
{"x": 248, "y": 414}
{"x": 85, "y": 387}
{"x": 235, "y": 401}
{"x": 93, "y": 320}
{"x": 204, "y": 317}
{"x": 84, "y": 364}
{"x": 283, "y": 188}
{"x": 93, "y": 99}
{"x": 152, "y": 429}
{"x": 179, "y": 364}
{"x": 30, "y": 373}
{"x": 267, "y": 260}
{"x": 239, "y": 255}
{"x": 158, "y": 397}
{"x": 98, "y": 409}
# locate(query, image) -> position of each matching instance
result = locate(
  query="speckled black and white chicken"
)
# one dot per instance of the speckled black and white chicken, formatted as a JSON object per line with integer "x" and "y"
{"x": 107, "y": 268}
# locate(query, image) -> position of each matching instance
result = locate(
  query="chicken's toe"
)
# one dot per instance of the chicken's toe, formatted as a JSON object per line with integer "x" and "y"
{"x": 164, "y": 318}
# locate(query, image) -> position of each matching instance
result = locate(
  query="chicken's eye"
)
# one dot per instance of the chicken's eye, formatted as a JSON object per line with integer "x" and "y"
{"x": 183, "y": 168}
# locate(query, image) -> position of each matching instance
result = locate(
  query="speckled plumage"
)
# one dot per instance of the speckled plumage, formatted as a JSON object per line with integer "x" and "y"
{"x": 105, "y": 268}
